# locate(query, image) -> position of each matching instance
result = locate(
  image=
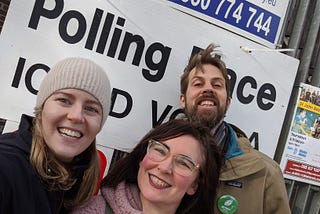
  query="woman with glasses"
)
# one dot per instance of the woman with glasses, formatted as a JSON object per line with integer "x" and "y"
{"x": 173, "y": 169}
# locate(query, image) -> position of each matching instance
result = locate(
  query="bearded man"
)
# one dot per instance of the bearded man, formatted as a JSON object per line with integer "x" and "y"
{"x": 250, "y": 181}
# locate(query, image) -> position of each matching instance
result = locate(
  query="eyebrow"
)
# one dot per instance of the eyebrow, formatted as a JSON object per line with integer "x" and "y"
{"x": 89, "y": 100}
{"x": 196, "y": 77}
{"x": 184, "y": 155}
{"x": 162, "y": 143}
{"x": 212, "y": 79}
{"x": 187, "y": 157}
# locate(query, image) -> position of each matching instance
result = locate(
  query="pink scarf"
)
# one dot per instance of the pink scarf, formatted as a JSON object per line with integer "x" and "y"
{"x": 124, "y": 199}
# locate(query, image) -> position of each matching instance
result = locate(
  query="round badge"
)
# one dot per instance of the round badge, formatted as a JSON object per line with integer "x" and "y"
{"x": 227, "y": 204}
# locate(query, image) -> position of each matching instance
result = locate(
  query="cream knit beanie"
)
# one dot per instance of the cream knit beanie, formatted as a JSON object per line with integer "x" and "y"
{"x": 77, "y": 73}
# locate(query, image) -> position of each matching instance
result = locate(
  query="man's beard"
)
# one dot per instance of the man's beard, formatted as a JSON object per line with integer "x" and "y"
{"x": 209, "y": 119}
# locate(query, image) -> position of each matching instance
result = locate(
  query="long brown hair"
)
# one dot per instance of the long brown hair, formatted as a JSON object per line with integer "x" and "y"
{"x": 203, "y": 200}
{"x": 58, "y": 176}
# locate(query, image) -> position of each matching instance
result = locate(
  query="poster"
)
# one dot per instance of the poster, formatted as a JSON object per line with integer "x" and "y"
{"x": 301, "y": 157}
{"x": 143, "y": 47}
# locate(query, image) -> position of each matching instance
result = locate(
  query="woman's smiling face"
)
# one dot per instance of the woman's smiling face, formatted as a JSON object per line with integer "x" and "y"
{"x": 71, "y": 119}
{"x": 158, "y": 181}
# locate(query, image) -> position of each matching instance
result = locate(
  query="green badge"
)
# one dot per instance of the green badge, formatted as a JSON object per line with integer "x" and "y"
{"x": 227, "y": 204}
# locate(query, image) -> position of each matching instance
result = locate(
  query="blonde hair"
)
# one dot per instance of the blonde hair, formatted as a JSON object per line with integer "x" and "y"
{"x": 56, "y": 174}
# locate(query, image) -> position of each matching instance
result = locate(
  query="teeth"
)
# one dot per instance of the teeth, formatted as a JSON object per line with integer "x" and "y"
{"x": 158, "y": 181}
{"x": 70, "y": 133}
{"x": 207, "y": 103}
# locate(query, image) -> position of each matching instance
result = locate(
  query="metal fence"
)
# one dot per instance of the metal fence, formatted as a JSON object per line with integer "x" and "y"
{"x": 301, "y": 33}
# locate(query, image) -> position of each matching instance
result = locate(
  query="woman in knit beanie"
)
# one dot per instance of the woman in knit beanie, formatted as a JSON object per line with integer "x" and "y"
{"x": 50, "y": 164}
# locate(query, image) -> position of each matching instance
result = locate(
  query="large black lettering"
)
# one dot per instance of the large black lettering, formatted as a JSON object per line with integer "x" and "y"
{"x": 128, "y": 40}
{"x": 116, "y": 37}
{"x": 39, "y": 10}
{"x": 105, "y": 33}
{"x": 255, "y": 139}
{"x": 156, "y": 56}
{"x": 195, "y": 50}
{"x": 160, "y": 67}
{"x": 267, "y": 92}
{"x": 176, "y": 112}
{"x": 164, "y": 114}
{"x": 63, "y": 26}
{"x": 266, "y": 95}
{"x": 94, "y": 29}
{"x": 246, "y": 80}
{"x": 127, "y": 96}
{"x": 232, "y": 80}
{"x": 19, "y": 70}
{"x": 29, "y": 74}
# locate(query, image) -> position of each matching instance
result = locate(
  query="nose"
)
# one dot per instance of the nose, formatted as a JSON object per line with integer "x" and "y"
{"x": 76, "y": 114}
{"x": 207, "y": 88}
{"x": 166, "y": 166}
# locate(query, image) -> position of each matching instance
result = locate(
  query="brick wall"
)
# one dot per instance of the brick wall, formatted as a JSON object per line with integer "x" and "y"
{"x": 4, "y": 5}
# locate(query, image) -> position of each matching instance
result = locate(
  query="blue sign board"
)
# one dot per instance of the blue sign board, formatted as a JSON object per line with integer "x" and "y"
{"x": 241, "y": 14}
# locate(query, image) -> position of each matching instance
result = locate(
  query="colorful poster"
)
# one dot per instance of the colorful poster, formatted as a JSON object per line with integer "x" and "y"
{"x": 301, "y": 156}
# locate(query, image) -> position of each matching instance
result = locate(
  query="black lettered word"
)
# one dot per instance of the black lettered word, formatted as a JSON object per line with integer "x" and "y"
{"x": 129, "y": 103}
{"x": 156, "y": 55}
{"x": 116, "y": 94}
{"x": 265, "y": 95}
{"x": 165, "y": 113}
{"x": 32, "y": 70}
{"x": 29, "y": 74}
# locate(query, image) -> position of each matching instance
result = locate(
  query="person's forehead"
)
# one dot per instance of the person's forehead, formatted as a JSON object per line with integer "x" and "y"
{"x": 185, "y": 144}
{"x": 207, "y": 71}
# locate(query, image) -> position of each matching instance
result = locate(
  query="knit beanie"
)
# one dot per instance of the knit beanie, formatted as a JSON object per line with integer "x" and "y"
{"x": 77, "y": 73}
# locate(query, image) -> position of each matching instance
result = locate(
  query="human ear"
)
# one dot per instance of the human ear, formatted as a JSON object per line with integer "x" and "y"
{"x": 182, "y": 101}
{"x": 193, "y": 188}
{"x": 228, "y": 102}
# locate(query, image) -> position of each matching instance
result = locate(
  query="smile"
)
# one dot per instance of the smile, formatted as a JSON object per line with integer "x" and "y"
{"x": 157, "y": 183}
{"x": 206, "y": 103}
{"x": 69, "y": 133}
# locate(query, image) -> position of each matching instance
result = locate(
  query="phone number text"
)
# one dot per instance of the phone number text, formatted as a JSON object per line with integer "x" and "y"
{"x": 238, "y": 13}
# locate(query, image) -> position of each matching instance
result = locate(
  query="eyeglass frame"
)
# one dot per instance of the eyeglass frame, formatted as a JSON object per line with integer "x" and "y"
{"x": 196, "y": 166}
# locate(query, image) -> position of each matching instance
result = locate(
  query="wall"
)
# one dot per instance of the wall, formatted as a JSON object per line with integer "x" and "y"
{"x": 4, "y": 4}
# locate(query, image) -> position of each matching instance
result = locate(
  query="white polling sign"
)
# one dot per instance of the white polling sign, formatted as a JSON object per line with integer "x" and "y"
{"x": 143, "y": 47}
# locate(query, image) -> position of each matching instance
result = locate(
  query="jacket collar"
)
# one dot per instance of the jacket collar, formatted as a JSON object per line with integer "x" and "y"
{"x": 233, "y": 148}
{"x": 241, "y": 165}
